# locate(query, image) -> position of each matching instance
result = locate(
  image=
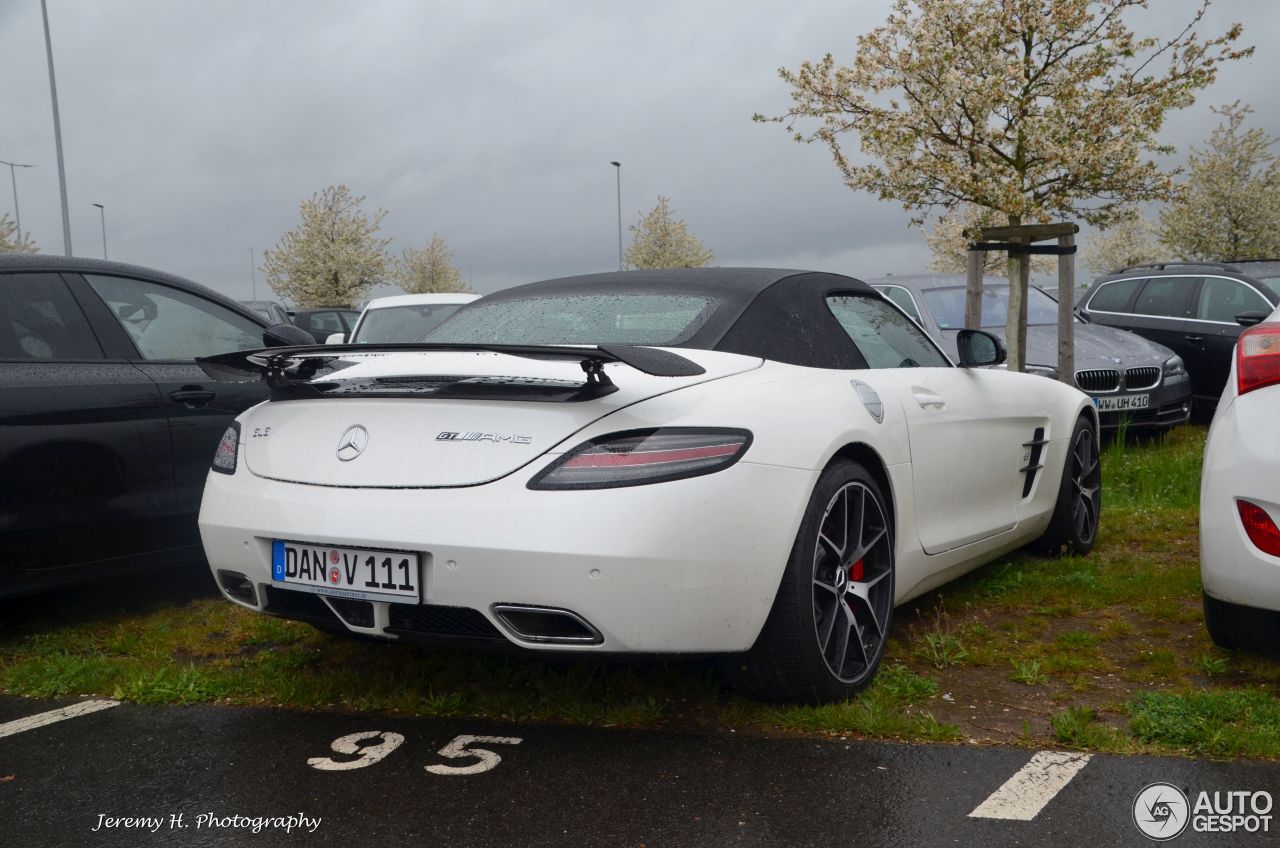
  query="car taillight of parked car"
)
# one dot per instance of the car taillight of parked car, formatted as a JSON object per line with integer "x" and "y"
{"x": 224, "y": 458}
{"x": 1258, "y": 358}
{"x": 1259, "y": 527}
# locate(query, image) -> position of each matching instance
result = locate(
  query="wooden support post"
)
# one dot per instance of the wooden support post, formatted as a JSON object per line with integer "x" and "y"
{"x": 973, "y": 290}
{"x": 1067, "y": 311}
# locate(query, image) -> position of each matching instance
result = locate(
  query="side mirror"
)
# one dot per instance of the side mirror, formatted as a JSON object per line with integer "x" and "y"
{"x": 336, "y": 338}
{"x": 1248, "y": 319}
{"x": 286, "y": 335}
{"x": 979, "y": 348}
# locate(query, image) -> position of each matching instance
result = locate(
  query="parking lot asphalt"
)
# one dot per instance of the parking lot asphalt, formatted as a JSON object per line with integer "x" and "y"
{"x": 101, "y": 773}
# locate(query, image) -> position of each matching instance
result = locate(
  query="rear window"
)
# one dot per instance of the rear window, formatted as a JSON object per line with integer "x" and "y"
{"x": 1115, "y": 297}
{"x": 1165, "y": 296}
{"x": 392, "y": 324}
{"x": 587, "y": 319}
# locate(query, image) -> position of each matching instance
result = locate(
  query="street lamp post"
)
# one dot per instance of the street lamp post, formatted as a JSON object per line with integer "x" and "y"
{"x": 618, "y": 166}
{"x": 102, "y": 213}
{"x": 17, "y": 216}
{"x": 57, "y": 134}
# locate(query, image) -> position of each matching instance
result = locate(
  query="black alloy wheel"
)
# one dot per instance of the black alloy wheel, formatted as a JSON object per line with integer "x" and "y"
{"x": 1086, "y": 485}
{"x": 852, "y": 597}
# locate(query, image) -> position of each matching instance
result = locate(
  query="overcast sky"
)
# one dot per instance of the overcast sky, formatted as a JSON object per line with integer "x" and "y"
{"x": 200, "y": 125}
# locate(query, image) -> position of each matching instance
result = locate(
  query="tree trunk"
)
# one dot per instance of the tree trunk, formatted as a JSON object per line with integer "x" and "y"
{"x": 1015, "y": 328}
{"x": 1066, "y": 312}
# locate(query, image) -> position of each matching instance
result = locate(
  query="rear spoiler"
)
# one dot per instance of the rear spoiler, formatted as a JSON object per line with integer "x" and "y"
{"x": 288, "y": 366}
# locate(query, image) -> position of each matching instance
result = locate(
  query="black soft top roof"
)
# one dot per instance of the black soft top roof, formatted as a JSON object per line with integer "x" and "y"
{"x": 775, "y": 313}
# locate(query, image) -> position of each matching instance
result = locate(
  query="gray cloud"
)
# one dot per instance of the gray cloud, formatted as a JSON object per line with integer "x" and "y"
{"x": 201, "y": 126}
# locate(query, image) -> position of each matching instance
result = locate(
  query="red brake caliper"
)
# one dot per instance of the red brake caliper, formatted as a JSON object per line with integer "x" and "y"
{"x": 856, "y": 572}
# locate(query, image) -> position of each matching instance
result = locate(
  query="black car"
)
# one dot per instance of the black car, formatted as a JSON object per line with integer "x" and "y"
{"x": 1196, "y": 309}
{"x": 107, "y": 425}
{"x": 269, "y": 311}
{"x": 324, "y": 321}
{"x": 1134, "y": 383}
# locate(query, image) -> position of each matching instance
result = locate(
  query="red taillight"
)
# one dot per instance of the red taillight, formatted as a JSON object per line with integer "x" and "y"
{"x": 639, "y": 457}
{"x": 1259, "y": 527}
{"x": 224, "y": 458}
{"x": 651, "y": 458}
{"x": 1258, "y": 358}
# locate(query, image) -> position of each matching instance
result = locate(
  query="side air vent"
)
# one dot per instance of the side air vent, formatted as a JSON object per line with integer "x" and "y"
{"x": 1034, "y": 458}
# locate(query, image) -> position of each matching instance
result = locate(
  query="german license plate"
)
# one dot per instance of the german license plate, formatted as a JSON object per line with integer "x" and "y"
{"x": 1121, "y": 403}
{"x": 362, "y": 573}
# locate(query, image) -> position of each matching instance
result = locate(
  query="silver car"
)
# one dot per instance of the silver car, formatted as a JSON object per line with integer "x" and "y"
{"x": 1131, "y": 380}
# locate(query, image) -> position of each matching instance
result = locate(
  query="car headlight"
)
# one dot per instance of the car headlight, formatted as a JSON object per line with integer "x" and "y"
{"x": 1043, "y": 371}
{"x": 639, "y": 457}
{"x": 1173, "y": 367}
{"x": 224, "y": 458}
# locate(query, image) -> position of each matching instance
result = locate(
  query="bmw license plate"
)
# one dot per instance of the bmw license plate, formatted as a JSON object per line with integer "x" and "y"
{"x": 362, "y": 573}
{"x": 1121, "y": 403}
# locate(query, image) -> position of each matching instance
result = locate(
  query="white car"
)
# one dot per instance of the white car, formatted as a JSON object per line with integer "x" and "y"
{"x": 743, "y": 462}
{"x": 402, "y": 317}
{"x": 1240, "y": 499}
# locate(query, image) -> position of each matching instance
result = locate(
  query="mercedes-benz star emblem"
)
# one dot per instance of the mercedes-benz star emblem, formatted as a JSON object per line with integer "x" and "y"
{"x": 352, "y": 443}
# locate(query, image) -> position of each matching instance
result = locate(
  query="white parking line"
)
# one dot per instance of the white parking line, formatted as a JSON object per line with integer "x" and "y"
{"x": 1034, "y": 785}
{"x": 9, "y": 728}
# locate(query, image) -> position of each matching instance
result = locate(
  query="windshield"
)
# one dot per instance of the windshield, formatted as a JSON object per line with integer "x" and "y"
{"x": 947, "y": 307}
{"x": 402, "y": 323}
{"x": 587, "y": 319}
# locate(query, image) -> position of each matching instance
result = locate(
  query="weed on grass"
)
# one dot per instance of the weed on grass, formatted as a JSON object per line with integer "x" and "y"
{"x": 1028, "y": 672}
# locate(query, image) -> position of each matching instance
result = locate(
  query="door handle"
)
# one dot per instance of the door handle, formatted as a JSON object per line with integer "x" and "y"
{"x": 193, "y": 396}
{"x": 928, "y": 399}
{"x": 1194, "y": 339}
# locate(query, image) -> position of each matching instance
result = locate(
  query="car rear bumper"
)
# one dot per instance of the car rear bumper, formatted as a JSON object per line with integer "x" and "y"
{"x": 1241, "y": 461}
{"x": 685, "y": 566}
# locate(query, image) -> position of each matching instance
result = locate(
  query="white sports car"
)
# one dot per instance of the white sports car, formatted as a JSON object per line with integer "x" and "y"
{"x": 1240, "y": 499}
{"x": 744, "y": 462}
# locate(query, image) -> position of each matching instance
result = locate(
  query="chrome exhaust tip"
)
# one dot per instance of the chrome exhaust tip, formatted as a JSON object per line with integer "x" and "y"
{"x": 546, "y": 625}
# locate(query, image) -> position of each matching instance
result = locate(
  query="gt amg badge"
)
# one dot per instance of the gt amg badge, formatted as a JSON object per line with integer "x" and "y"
{"x": 352, "y": 443}
{"x": 483, "y": 437}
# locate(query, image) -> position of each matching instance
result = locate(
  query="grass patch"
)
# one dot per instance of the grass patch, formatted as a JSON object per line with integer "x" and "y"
{"x": 1241, "y": 722}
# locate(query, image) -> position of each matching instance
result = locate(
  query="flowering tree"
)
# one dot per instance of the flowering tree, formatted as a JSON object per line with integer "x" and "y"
{"x": 662, "y": 240}
{"x": 429, "y": 270}
{"x": 1038, "y": 109}
{"x": 1229, "y": 207}
{"x": 335, "y": 254}
{"x": 1130, "y": 240}
{"x": 11, "y": 241}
